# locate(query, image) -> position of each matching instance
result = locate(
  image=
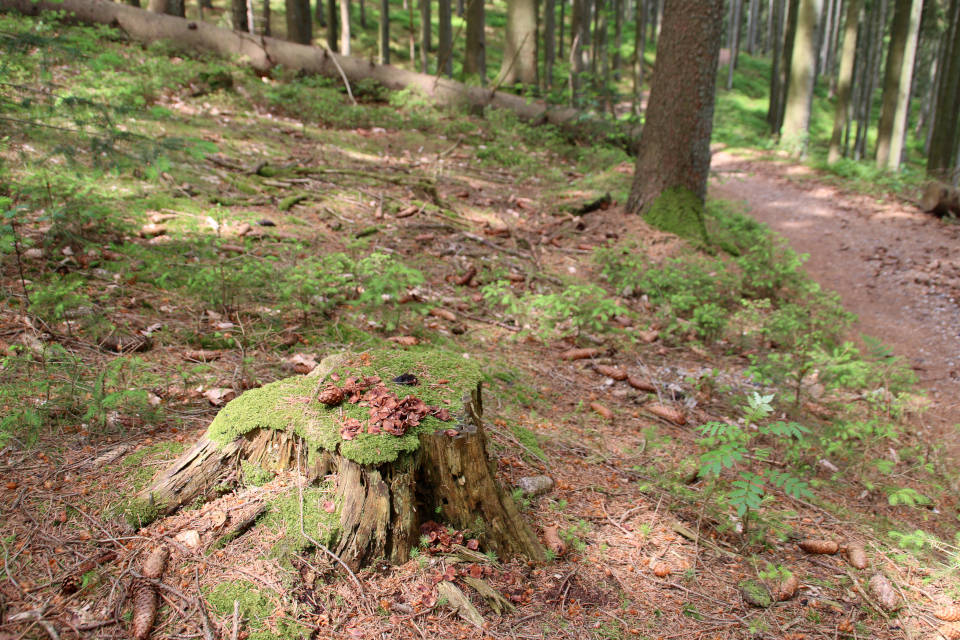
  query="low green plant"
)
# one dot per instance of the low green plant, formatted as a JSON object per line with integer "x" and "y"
{"x": 729, "y": 446}
{"x": 587, "y": 307}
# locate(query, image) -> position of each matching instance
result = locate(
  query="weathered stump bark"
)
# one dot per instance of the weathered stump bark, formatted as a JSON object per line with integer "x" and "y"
{"x": 386, "y": 486}
{"x": 941, "y": 199}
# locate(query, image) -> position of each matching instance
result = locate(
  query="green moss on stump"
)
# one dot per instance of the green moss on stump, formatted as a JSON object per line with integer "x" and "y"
{"x": 290, "y": 405}
{"x": 283, "y": 519}
{"x": 680, "y": 211}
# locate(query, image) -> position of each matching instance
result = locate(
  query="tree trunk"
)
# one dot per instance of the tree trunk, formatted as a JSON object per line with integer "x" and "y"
{"x": 550, "y": 39}
{"x": 383, "y": 41}
{"x": 345, "y": 27}
{"x": 786, "y": 60}
{"x": 832, "y": 49}
{"x": 943, "y": 149}
{"x": 264, "y": 54}
{"x": 845, "y": 80}
{"x": 299, "y": 22}
{"x": 426, "y": 31}
{"x": 158, "y": 6}
{"x": 892, "y": 79}
{"x": 363, "y": 15}
{"x": 639, "y": 45}
{"x": 475, "y": 54}
{"x": 941, "y": 199}
{"x": 445, "y": 35}
{"x": 674, "y": 155}
{"x": 870, "y": 80}
{"x": 618, "y": 11}
{"x": 520, "y": 48}
{"x": 441, "y": 471}
{"x": 177, "y": 8}
{"x": 752, "y": 12}
{"x": 332, "y": 26}
{"x": 320, "y": 15}
{"x": 776, "y": 35}
{"x": 266, "y": 17}
{"x": 899, "y": 134}
{"x": 796, "y": 117}
{"x": 560, "y": 28}
{"x": 736, "y": 17}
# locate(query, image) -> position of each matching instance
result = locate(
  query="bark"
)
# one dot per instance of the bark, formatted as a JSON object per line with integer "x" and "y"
{"x": 752, "y": 14}
{"x": 383, "y": 42}
{"x": 826, "y": 25}
{"x": 898, "y": 136}
{"x": 618, "y": 11}
{"x": 425, "y": 32}
{"x": 577, "y": 65}
{"x": 560, "y": 28}
{"x": 943, "y": 148}
{"x": 238, "y": 12}
{"x": 776, "y": 35}
{"x": 475, "y": 55}
{"x": 299, "y": 21}
{"x": 445, "y": 35}
{"x": 639, "y": 45}
{"x": 157, "y": 6}
{"x": 796, "y": 117}
{"x": 266, "y": 17}
{"x": 344, "y": 27}
{"x": 449, "y": 478}
{"x": 550, "y": 39}
{"x": 263, "y": 54}
{"x": 892, "y": 79}
{"x": 870, "y": 80}
{"x": 520, "y": 50}
{"x": 332, "y": 26}
{"x": 177, "y": 8}
{"x": 941, "y": 199}
{"x": 786, "y": 60}
{"x": 675, "y": 143}
{"x": 845, "y": 80}
{"x": 736, "y": 17}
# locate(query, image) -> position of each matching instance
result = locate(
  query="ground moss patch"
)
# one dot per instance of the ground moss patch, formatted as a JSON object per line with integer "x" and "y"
{"x": 680, "y": 211}
{"x": 256, "y": 608}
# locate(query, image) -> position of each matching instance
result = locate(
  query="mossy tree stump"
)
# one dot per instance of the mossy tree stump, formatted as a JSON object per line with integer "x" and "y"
{"x": 386, "y": 485}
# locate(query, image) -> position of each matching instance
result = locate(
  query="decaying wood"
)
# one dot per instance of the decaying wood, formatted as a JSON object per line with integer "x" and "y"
{"x": 493, "y": 598}
{"x": 460, "y": 603}
{"x": 264, "y": 54}
{"x": 941, "y": 199}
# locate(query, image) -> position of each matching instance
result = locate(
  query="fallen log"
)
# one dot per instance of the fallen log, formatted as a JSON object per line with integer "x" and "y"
{"x": 941, "y": 199}
{"x": 382, "y": 486}
{"x": 263, "y": 53}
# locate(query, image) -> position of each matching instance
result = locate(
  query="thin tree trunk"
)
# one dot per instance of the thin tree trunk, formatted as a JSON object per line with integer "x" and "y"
{"x": 445, "y": 35}
{"x": 826, "y": 24}
{"x": 332, "y": 27}
{"x": 618, "y": 12}
{"x": 659, "y": 22}
{"x": 266, "y": 17}
{"x": 383, "y": 41}
{"x": 320, "y": 15}
{"x": 475, "y": 54}
{"x": 413, "y": 39}
{"x": 872, "y": 78}
{"x": 863, "y": 32}
{"x": 752, "y": 15}
{"x": 426, "y": 29}
{"x": 639, "y": 45}
{"x": 796, "y": 117}
{"x": 771, "y": 28}
{"x": 892, "y": 79}
{"x": 930, "y": 102}
{"x": 675, "y": 145}
{"x": 459, "y": 8}
{"x": 736, "y": 16}
{"x": 845, "y": 81}
{"x": 251, "y": 23}
{"x": 603, "y": 43}
{"x": 832, "y": 50}
{"x": 561, "y": 27}
{"x": 906, "y": 88}
{"x": 344, "y": 27}
{"x": 790, "y": 34}
{"x": 363, "y": 15}
{"x": 549, "y": 39}
{"x": 943, "y": 150}
{"x": 594, "y": 55}
{"x": 776, "y": 35}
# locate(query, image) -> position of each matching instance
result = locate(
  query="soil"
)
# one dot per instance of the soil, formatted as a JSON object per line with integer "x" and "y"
{"x": 892, "y": 265}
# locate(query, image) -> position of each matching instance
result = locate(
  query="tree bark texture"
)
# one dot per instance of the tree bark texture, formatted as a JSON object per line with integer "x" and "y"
{"x": 899, "y": 133}
{"x": 299, "y": 21}
{"x": 445, "y": 35}
{"x": 844, "y": 83}
{"x": 263, "y": 54}
{"x": 449, "y": 478}
{"x": 943, "y": 147}
{"x": 475, "y": 54}
{"x": 675, "y": 143}
{"x": 345, "y": 27}
{"x": 892, "y": 79}
{"x": 796, "y": 117}
{"x": 383, "y": 41}
{"x": 332, "y": 25}
{"x": 520, "y": 50}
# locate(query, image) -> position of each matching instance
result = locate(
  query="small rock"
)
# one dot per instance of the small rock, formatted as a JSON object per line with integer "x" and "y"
{"x": 535, "y": 485}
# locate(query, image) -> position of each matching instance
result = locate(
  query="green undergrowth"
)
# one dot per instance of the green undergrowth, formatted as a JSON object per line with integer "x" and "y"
{"x": 258, "y": 608}
{"x": 291, "y": 404}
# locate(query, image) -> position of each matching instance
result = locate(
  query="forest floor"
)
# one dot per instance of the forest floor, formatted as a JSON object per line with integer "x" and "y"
{"x": 294, "y": 224}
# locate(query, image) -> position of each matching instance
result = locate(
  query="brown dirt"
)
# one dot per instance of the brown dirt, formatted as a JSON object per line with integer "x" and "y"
{"x": 892, "y": 265}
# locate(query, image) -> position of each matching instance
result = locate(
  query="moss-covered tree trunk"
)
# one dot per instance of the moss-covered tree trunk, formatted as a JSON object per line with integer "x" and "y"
{"x": 385, "y": 486}
{"x": 674, "y": 155}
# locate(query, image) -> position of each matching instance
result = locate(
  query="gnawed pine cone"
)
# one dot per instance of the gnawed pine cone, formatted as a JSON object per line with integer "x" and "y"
{"x": 828, "y": 547}
{"x": 611, "y": 372}
{"x": 948, "y": 614}
{"x": 857, "y": 556}
{"x": 331, "y": 396}
{"x": 884, "y": 592}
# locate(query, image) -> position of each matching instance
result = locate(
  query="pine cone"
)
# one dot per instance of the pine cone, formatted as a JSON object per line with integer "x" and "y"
{"x": 331, "y": 396}
{"x": 579, "y": 354}
{"x": 857, "y": 556}
{"x": 949, "y": 631}
{"x": 828, "y": 547}
{"x": 884, "y": 592}
{"x": 949, "y": 614}
{"x": 405, "y": 341}
{"x": 71, "y": 583}
{"x": 640, "y": 384}
{"x": 156, "y": 564}
{"x": 143, "y": 599}
{"x": 785, "y": 590}
{"x": 611, "y": 372}
{"x": 602, "y": 410}
{"x": 667, "y": 413}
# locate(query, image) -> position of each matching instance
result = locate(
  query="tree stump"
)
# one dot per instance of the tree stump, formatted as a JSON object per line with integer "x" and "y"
{"x": 941, "y": 199}
{"x": 384, "y": 485}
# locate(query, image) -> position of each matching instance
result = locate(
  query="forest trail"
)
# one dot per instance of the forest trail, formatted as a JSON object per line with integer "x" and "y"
{"x": 892, "y": 265}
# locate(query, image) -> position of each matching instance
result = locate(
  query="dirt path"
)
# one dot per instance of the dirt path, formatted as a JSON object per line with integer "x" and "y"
{"x": 895, "y": 267}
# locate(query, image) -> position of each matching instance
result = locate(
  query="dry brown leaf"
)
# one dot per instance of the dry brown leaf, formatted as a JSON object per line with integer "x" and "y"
{"x": 667, "y": 413}
{"x": 661, "y": 569}
{"x": 580, "y": 354}
{"x": 602, "y": 410}
{"x": 156, "y": 563}
{"x": 143, "y": 599}
{"x": 857, "y": 556}
{"x": 219, "y": 396}
{"x": 828, "y": 547}
{"x": 884, "y": 592}
{"x": 438, "y": 312}
{"x": 190, "y": 538}
{"x": 648, "y": 336}
{"x": 642, "y": 385}
{"x": 611, "y": 372}
{"x": 949, "y": 614}
{"x": 551, "y": 538}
